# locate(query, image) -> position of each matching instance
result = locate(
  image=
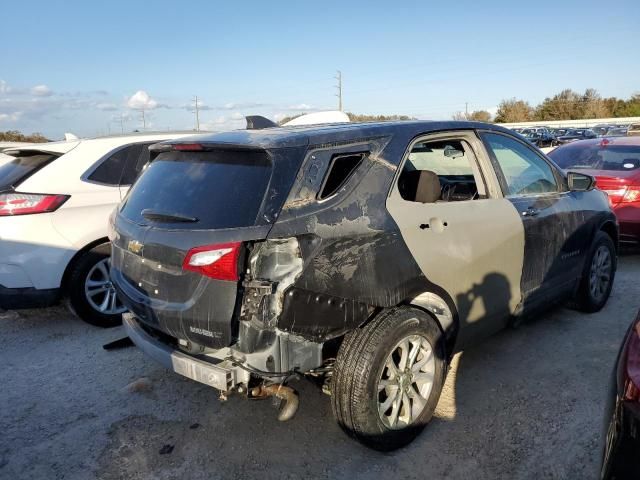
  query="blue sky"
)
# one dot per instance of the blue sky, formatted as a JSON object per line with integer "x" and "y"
{"x": 82, "y": 66}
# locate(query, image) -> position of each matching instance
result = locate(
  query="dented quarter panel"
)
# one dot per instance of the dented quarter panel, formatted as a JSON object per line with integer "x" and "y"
{"x": 358, "y": 260}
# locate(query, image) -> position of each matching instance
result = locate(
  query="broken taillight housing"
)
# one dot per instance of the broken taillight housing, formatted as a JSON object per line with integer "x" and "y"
{"x": 219, "y": 261}
{"x": 632, "y": 384}
{"x": 15, "y": 203}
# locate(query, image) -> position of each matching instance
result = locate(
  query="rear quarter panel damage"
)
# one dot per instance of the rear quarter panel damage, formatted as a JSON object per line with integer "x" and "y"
{"x": 355, "y": 259}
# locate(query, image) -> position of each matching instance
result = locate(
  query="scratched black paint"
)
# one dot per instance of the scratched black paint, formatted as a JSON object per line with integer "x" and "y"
{"x": 354, "y": 258}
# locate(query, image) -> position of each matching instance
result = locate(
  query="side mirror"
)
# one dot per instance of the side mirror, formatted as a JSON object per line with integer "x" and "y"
{"x": 580, "y": 182}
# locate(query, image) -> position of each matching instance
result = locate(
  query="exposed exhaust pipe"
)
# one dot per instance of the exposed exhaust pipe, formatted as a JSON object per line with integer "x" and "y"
{"x": 283, "y": 393}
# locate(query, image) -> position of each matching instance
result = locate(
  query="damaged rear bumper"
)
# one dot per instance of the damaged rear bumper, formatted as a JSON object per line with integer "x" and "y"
{"x": 223, "y": 375}
{"x": 228, "y": 368}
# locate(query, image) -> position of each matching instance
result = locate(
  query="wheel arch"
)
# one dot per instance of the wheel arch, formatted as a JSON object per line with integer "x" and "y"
{"x": 610, "y": 228}
{"x": 443, "y": 312}
{"x": 64, "y": 284}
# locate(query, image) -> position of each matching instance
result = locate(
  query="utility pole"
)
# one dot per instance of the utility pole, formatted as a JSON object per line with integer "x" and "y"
{"x": 466, "y": 110}
{"x": 339, "y": 87}
{"x": 197, "y": 114}
{"x": 144, "y": 122}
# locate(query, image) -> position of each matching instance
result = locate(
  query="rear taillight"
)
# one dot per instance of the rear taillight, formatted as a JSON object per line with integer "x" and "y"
{"x": 215, "y": 261}
{"x": 632, "y": 194}
{"x": 632, "y": 385}
{"x": 625, "y": 194}
{"x": 29, "y": 203}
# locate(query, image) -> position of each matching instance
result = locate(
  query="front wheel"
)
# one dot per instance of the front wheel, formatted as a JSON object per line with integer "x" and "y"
{"x": 597, "y": 278}
{"x": 91, "y": 293}
{"x": 388, "y": 377}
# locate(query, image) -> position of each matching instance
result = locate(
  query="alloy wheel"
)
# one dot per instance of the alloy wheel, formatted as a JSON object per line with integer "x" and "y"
{"x": 100, "y": 292}
{"x": 406, "y": 382}
{"x": 600, "y": 272}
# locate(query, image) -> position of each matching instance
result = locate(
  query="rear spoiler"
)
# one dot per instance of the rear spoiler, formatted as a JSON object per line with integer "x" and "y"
{"x": 258, "y": 122}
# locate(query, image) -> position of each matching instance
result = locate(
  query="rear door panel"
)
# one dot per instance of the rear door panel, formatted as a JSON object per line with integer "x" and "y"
{"x": 472, "y": 249}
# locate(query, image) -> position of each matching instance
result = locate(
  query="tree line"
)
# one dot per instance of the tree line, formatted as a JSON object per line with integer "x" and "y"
{"x": 358, "y": 117}
{"x": 566, "y": 105}
{"x": 16, "y": 136}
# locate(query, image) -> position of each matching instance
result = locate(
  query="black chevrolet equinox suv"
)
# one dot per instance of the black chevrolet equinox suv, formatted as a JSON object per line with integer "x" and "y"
{"x": 360, "y": 255}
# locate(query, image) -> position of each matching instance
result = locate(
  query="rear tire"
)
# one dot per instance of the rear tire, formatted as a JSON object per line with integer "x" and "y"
{"x": 91, "y": 295}
{"x": 388, "y": 377}
{"x": 599, "y": 273}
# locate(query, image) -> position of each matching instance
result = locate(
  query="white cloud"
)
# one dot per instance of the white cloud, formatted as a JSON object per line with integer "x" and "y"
{"x": 4, "y": 87}
{"x": 107, "y": 107}
{"x": 235, "y": 106}
{"x": 141, "y": 101}
{"x": 301, "y": 107}
{"x": 235, "y": 121}
{"x": 41, "y": 91}
{"x": 493, "y": 111}
{"x": 10, "y": 117}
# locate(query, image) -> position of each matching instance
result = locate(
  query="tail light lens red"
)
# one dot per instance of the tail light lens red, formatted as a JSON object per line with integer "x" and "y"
{"x": 219, "y": 261}
{"x": 14, "y": 203}
{"x": 625, "y": 194}
{"x": 632, "y": 194}
{"x": 632, "y": 388}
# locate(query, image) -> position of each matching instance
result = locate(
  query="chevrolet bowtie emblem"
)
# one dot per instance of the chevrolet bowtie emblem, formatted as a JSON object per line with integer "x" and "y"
{"x": 134, "y": 246}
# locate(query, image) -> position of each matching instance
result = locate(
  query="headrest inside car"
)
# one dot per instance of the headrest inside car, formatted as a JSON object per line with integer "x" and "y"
{"x": 420, "y": 186}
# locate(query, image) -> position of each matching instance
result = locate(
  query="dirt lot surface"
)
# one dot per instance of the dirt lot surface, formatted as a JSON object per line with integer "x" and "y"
{"x": 525, "y": 404}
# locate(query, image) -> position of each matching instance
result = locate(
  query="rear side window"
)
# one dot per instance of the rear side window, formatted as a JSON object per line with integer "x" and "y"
{"x": 601, "y": 156}
{"x": 220, "y": 189}
{"x": 109, "y": 172}
{"x": 24, "y": 165}
{"x": 122, "y": 167}
{"x": 341, "y": 168}
{"x": 136, "y": 161}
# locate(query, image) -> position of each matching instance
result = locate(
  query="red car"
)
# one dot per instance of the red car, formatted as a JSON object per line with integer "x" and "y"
{"x": 621, "y": 434}
{"x": 615, "y": 162}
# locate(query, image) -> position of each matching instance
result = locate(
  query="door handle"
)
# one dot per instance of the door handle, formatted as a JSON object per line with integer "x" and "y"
{"x": 531, "y": 212}
{"x": 435, "y": 224}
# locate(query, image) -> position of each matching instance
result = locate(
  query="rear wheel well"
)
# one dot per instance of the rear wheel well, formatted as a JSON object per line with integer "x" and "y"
{"x": 67, "y": 272}
{"x": 449, "y": 338}
{"x": 449, "y": 334}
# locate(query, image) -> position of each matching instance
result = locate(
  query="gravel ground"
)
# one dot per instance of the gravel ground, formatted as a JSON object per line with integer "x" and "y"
{"x": 527, "y": 404}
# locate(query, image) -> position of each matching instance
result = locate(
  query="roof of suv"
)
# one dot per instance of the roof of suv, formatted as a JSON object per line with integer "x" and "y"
{"x": 279, "y": 137}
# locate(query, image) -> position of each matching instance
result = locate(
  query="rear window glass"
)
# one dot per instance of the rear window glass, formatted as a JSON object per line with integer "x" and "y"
{"x": 597, "y": 157}
{"x": 21, "y": 167}
{"x": 222, "y": 189}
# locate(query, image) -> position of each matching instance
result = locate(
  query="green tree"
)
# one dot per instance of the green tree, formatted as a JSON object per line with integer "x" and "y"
{"x": 480, "y": 116}
{"x": 566, "y": 105}
{"x": 513, "y": 110}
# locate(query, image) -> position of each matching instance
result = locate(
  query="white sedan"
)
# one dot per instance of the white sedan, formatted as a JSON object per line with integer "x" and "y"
{"x": 55, "y": 200}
